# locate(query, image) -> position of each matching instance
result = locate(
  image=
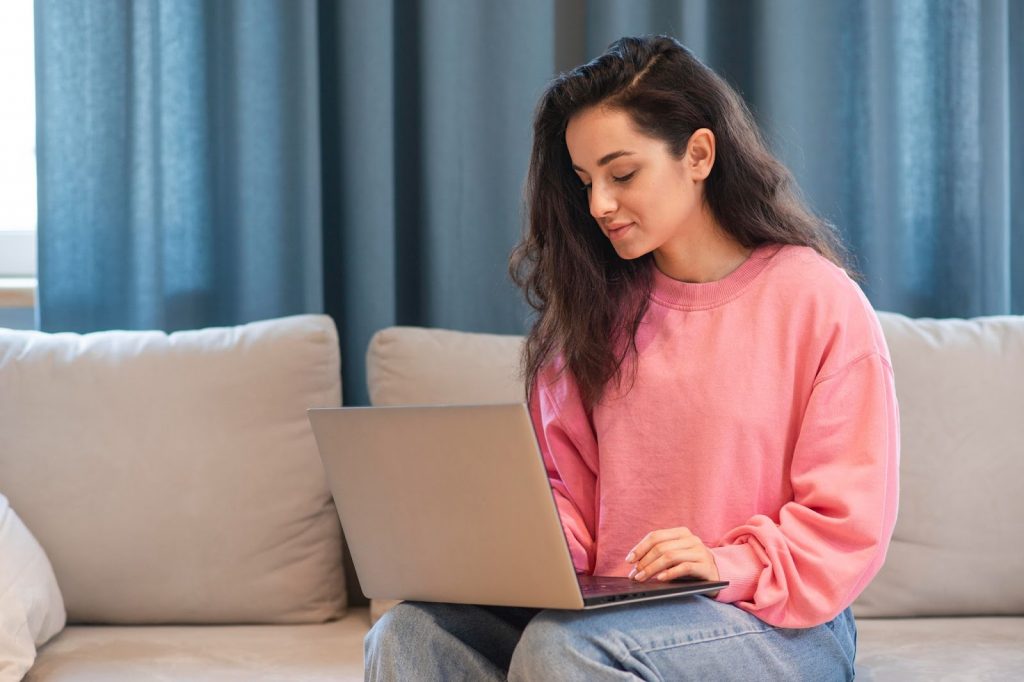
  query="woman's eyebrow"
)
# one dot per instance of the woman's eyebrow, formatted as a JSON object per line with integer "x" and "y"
{"x": 607, "y": 158}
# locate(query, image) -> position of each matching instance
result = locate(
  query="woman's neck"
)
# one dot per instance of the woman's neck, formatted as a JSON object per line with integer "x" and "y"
{"x": 705, "y": 254}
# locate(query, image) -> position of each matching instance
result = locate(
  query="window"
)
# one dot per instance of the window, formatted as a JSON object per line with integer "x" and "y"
{"x": 17, "y": 140}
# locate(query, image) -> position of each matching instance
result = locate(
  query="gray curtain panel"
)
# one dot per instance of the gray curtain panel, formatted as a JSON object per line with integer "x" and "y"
{"x": 208, "y": 163}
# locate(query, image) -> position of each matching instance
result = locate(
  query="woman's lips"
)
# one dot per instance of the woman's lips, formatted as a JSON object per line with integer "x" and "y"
{"x": 620, "y": 232}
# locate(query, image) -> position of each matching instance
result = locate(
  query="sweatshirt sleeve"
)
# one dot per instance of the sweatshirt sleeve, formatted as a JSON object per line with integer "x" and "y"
{"x": 832, "y": 538}
{"x": 569, "y": 449}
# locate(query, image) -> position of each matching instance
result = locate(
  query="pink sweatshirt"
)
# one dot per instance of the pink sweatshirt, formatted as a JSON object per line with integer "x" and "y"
{"x": 763, "y": 418}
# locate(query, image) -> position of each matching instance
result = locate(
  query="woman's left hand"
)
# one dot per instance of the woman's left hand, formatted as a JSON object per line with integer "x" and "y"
{"x": 672, "y": 553}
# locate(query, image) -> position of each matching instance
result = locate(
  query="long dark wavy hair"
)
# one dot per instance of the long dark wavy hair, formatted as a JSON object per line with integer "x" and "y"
{"x": 589, "y": 300}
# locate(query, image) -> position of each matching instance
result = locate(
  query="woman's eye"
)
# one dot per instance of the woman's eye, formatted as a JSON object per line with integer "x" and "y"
{"x": 624, "y": 178}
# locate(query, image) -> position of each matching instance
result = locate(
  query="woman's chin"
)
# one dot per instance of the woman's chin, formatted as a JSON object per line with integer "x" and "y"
{"x": 628, "y": 251}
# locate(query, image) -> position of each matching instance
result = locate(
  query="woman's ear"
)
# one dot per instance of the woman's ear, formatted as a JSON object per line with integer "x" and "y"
{"x": 700, "y": 153}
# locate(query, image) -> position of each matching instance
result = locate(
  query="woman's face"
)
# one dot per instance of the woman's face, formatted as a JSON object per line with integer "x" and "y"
{"x": 642, "y": 198}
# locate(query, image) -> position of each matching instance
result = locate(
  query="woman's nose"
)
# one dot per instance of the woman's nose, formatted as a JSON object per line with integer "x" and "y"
{"x": 602, "y": 203}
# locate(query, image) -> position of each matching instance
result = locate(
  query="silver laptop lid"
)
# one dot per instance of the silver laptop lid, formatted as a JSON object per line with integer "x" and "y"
{"x": 447, "y": 503}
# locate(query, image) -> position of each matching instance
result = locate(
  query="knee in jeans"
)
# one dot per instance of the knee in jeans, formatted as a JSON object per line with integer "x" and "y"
{"x": 547, "y": 639}
{"x": 397, "y": 625}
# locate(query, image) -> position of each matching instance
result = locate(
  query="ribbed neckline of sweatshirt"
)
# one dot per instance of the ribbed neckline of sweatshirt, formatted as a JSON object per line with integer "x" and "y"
{"x": 762, "y": 417}
{"x": 703, "y": 295}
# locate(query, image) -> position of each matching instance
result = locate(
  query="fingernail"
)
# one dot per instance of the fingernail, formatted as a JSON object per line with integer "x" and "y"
{"x": 629, "y": 557}
{"x": 640, "y": 575}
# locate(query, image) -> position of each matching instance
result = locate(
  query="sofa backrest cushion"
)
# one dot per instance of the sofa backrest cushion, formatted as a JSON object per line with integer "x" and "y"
{"x": 175, "y": 478}
{"x": 417, "y": 366}
{"x": 960, "y": 387}
{"x": 956, "y": 549}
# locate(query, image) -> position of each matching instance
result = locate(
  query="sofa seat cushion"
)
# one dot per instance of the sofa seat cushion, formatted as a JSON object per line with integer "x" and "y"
{"x": 887, "y": 649}
{"x": 206, "y": 653}
{"x": 901, "y": 649}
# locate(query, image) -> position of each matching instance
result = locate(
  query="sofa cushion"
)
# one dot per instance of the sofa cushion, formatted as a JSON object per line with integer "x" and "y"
{"x": 31, "y": 606}
{"x": 174, "y": 478}
{"x": 928, "y": 649}
{"x": 323, "y": 652}
{"x": 956, "y": 547}
{"x": 416, "y": 366}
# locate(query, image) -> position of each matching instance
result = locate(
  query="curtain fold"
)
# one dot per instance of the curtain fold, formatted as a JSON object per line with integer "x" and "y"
{"x": 210, "y": 162}
{"x": 426, "y": 124}
{"x": 179, "y": 163}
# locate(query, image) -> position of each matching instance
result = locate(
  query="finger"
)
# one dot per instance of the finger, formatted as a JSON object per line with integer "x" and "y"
{"x": 687, "y": 569}
{"x": 644, "y": 546}
{"x": 669, "y": 548}
{"x": 655, "y": 537}
{"x": 666, "y": 561}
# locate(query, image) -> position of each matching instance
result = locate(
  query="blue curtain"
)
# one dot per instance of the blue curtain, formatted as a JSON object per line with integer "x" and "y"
{"x": 214, "y": 162}
{"x": 179, "y": 163}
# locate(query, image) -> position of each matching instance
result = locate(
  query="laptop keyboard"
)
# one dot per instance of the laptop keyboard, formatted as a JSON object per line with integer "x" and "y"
{"x": 596, "y": 586}
{"x": 591, "y": 584}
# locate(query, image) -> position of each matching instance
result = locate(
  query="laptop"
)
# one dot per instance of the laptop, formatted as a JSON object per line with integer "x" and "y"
{"x": 452, "y": 504}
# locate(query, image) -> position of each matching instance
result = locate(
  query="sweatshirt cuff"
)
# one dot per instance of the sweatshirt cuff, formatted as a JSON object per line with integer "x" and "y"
{"x": 741, "y": 566}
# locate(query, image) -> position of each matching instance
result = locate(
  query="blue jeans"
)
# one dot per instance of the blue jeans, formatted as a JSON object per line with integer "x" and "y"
{"x": 689, "y": 638}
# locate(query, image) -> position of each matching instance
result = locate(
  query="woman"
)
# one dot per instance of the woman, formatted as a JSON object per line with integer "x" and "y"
{"x": 712, "y": 394}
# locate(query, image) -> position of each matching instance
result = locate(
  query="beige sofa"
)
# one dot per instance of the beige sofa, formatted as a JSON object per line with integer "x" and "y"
{"x": 174, "y": 484}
